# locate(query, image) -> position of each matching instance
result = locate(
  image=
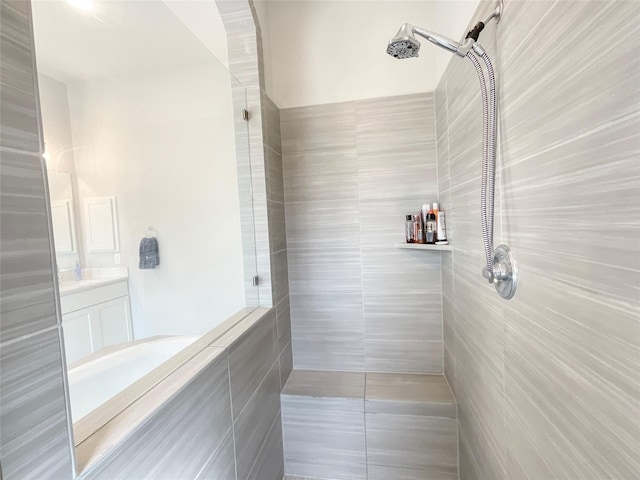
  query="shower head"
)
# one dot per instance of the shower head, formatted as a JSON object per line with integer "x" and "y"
{"x": 405, "y": 44}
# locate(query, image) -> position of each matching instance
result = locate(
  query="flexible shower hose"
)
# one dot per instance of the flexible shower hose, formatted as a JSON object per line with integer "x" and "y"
{"x": 488, "y": 155}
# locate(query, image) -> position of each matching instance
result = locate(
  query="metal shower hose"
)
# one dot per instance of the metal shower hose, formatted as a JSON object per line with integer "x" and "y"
{"x": 488, "y": 155}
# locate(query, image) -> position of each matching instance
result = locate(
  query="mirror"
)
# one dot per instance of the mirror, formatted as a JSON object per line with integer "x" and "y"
{"x": 63, "y": 218}
{"x": 146, "y": 194}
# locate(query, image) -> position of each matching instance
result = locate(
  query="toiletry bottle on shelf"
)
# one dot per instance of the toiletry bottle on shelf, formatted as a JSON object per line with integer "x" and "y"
{"x": 430, "y": 228}
{"x": 77, "y": 272}
{"x": 409, "y": 229}
{"x": 435, "y": 212}
{"x": 442, "y": 229}
{"x": 424, "y": 211}
{"x": 419, "y": 229}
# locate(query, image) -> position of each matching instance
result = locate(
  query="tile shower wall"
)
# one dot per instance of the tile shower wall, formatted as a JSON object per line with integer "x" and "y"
{"x": 351, "y": 172}
{"x": 244, "y": 39}
{"x": 548, "y": 384}
{"x": 34, "y": 435}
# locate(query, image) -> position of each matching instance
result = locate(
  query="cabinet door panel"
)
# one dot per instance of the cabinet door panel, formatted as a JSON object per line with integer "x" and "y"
{"x": 76, "y": 328}
{"x": 112, "y": 321}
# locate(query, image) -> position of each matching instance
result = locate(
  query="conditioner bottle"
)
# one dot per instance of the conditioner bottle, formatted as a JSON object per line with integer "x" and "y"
{"x": 441, "y": 228}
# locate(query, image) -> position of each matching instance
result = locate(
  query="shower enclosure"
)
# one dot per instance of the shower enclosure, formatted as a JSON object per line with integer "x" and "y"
{"x": 501, "y": 268}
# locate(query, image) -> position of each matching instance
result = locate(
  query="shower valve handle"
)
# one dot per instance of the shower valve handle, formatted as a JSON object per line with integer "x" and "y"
{"x": 487, "y": 274}
{"x": 505, "y": 272}
{"x": 500, "y": 271}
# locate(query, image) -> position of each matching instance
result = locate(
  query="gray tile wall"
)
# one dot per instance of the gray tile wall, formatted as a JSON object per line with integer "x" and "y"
{"x": 34, "y": 434}
{"x": 190, "y": 432}
{"x": 224, "y": 424}
{"x": 548, "y": 384}
{"x": 356, "y": 425}
{"x": 352, "y": 171}
{"x": 264, "y": 154}
{"x": 197, "y": 434}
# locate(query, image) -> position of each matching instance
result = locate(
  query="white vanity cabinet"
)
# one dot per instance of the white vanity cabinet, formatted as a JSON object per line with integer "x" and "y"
{"x": 95, "y": 314}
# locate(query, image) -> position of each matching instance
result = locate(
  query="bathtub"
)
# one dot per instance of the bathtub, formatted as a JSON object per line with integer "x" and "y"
{"x": 93, "y": 382}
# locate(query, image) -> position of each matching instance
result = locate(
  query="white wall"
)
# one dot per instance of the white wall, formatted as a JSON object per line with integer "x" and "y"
{"x": 331, "y": 51}
{"x": 163, "y": 145}
{"x": 203, "y": 19}
{"x": 452, "y": 19}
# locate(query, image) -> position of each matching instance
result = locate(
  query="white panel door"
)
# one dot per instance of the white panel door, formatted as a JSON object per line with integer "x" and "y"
{"x": 76, "y": 328}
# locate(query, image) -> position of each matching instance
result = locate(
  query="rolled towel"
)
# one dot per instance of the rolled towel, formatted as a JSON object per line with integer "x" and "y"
{"x": 149, "y": 254}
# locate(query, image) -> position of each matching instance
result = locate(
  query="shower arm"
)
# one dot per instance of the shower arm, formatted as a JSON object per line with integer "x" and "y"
{"x": 442, "y": 41}
{"x": 461, "y": 49}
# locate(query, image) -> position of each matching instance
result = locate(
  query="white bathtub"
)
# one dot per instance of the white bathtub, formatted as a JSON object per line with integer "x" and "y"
{"x": 97, "y": 380}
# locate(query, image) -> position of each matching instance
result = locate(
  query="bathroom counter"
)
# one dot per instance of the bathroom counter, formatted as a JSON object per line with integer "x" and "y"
{"x": 91, "y": 278}
{"x": 82, "y": 285}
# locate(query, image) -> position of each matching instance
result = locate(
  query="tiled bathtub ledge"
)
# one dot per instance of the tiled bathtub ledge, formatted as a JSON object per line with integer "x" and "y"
{"x": 100, "y": 432}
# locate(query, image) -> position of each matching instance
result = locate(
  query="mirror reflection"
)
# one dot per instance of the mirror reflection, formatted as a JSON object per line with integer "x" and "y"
{"x": 140, "y": 151}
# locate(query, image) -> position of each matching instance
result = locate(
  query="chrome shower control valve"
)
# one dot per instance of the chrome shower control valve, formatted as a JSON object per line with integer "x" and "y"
{"x": 505, "y": 272}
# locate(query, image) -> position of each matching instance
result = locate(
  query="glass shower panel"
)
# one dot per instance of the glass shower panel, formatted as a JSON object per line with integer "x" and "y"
{"x": 150, "y": 183}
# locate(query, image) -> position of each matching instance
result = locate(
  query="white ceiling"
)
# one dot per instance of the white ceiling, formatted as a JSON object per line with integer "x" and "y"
{"x": 120, "y": 38}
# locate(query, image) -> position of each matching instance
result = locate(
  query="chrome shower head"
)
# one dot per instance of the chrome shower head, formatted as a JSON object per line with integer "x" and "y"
{"x": 404, "y": 44}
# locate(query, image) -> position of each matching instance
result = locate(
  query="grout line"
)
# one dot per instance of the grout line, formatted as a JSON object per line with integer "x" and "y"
{"x": 233, "y": 420}
{"x": 273, "y": 422}
{"x": 453, "y": 281}
{"x": 264, "y": 445}
{"x": 27, "y": 336}
{"x": 435, "y": 122}
{"x": 362, "y": 293}
{"x": 364, "y": 418}
{"x": 216, "y": 450}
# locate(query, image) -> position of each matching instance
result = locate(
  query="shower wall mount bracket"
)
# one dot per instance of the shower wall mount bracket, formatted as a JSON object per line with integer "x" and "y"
{"x": 497, "y": 12}
{"x": 505, "y": 272}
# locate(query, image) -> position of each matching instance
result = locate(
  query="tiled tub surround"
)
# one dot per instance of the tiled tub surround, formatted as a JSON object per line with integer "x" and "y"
{"x": 352, "y": 171}
{"x": 376, "y": 426}
{"x": 548, "y": 384}
{"x": 214, "y": 413}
